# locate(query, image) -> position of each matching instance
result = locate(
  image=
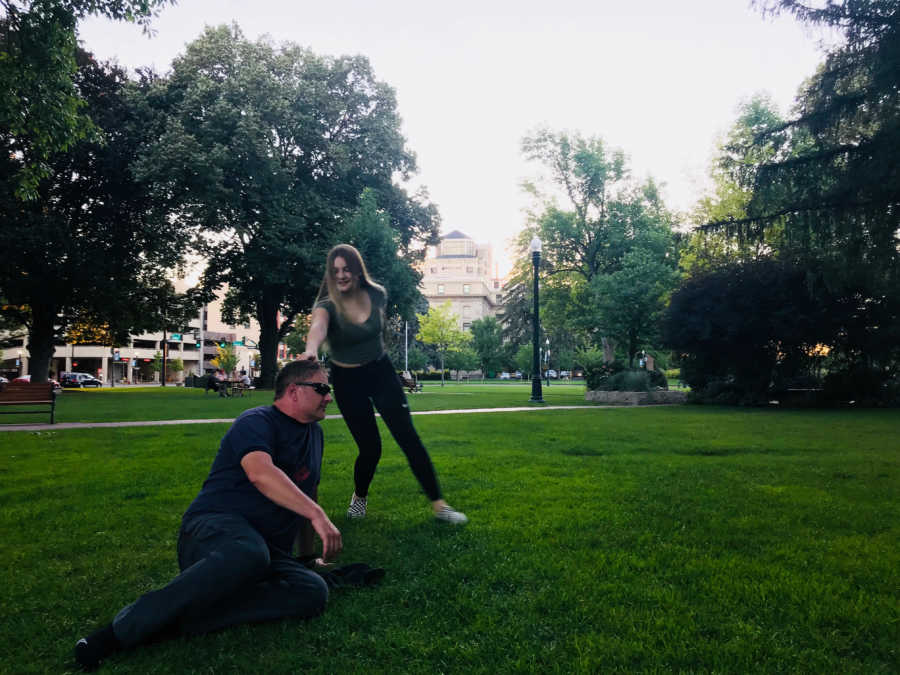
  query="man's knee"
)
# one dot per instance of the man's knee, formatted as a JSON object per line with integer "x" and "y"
{"x": 318, "y": 596}
{"x": 308, "y": 590}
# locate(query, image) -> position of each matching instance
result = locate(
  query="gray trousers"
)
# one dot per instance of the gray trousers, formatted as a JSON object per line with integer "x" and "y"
{"x": 228, "y": 576}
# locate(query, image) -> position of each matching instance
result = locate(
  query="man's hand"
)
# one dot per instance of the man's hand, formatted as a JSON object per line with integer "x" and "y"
{"x": 274, "y": 484}
{"x": 330, "y": 536}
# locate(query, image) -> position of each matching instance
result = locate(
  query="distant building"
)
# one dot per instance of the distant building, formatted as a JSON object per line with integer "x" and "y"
{"x": 131, "y": 362}
{"x": 460, "y": 271}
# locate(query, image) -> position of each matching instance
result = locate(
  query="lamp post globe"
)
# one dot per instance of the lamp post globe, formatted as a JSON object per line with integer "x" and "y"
{"x": 536, "y": 392}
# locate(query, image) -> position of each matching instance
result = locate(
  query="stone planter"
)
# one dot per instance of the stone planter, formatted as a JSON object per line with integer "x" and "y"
{"x": 636, "y": 397}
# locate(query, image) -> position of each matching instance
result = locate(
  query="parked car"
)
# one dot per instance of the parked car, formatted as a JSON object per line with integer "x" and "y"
{"x": 564, "y": 373}
{"x": 518, "y": 374}
{"x": 80, "y": 380}
{"x": 550, "y": 374}
{"x": 27, "y": 378}
{"x": 504, "y": 376}
{"x": 3, "y": 380}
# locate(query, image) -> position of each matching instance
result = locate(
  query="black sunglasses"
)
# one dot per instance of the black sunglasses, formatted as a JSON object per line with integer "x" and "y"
{"x": 321, "y": 388}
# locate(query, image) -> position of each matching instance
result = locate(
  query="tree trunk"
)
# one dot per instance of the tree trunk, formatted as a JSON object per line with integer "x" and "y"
{"x": 267, "y": 315}
{"x": 632, "y": 348}
{"x": 442, "y": 369}
{"x": 609, "y": 350}
{"x": 40, "y": 341}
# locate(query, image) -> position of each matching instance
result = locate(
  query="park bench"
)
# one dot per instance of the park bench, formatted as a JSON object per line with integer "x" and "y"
{"x": 24, "y": 394}
{"x": 238, "y": 389}
{"x": 410, "y": 383}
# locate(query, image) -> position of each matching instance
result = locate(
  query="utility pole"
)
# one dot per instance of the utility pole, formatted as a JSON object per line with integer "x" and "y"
{"x": 165, "y": 353}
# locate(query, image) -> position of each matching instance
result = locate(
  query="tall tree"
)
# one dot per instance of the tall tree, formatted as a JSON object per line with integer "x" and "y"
{"x": 606, "y": 215}
{"x": 632, "y": 299}
{"x": 737, "y": 158}
{"x": 369, "y": 229}
{"x": 270, "y": 149}
{"x": 831, "y": 194}
{"x": 524, "y": 360}
{"x": 487, "y": 341}
{"x": 837, "y": 192}
{"x": 89, "y": 248}
{"x": 42, "y": 111}
{"x": 439, "y": 327}
{"x": 841, "y": 185}
{"x": 460, "y": 359}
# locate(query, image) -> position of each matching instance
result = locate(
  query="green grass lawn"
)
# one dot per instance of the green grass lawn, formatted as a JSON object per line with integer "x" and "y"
{"x": 171, "y": 403}
{"x": 677, "y": 539}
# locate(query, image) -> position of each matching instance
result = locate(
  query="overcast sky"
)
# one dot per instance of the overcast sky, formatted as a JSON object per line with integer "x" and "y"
{"x": 658, "y": 79}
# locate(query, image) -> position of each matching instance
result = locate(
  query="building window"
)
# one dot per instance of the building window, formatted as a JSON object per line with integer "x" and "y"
{"x": 467, "y": 326}
{"x": 469, "y": 269}
{"x": 467, "y": 288}
{"x": 440, "y": 289}
{"x": 496, "y": 283}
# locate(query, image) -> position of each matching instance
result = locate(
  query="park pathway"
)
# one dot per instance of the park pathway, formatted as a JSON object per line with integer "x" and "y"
{"x": 157, "y": 423}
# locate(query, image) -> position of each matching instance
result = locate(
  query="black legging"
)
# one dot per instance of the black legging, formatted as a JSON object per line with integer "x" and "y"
{"x": 355, "y": 390}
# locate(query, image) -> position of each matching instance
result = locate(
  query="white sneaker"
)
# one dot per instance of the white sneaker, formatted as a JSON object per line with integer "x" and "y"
{"x": 449, "y": 515}
{"x": 357, "y": 507}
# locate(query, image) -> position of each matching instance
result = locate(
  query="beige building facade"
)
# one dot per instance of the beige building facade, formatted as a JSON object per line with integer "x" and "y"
{"x": 461, "y": 271}
{"x": 131, "y": 362}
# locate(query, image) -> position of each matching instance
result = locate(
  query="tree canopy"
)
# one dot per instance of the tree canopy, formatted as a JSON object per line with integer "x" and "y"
{"x": 487, "y": 341}
{"x": 42, "y": 111}
{"x": 91, "y": 248}
{"x": 369, "y": 229}
{"x": 834, "y": 184}
{"x": 269, "y": 150}
{"x": 820, "y": 191}
{"x": 439, "y": 327}
{"x": 591, "y": 217}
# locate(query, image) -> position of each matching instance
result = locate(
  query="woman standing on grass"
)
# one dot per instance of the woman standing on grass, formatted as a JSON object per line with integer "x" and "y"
{"x": 349, "y": 314}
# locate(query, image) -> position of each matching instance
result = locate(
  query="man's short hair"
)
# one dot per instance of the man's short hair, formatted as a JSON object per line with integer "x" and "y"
{"x": 296, "y": 371}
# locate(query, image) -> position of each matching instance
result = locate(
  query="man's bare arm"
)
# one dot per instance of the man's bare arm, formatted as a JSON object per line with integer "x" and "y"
{"x": 275, "y": 484}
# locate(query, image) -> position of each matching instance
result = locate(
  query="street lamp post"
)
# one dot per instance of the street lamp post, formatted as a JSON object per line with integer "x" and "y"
{"x": 536, "y": 393}
{"x": 547, "y": 361}
{"x": 200, "y": 369}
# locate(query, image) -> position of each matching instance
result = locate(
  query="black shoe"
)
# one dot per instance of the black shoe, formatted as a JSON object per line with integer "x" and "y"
{"x": 91, "y": 650}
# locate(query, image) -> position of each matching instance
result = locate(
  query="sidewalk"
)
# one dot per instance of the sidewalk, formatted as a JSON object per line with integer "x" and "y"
{"x": 159, "y": 423}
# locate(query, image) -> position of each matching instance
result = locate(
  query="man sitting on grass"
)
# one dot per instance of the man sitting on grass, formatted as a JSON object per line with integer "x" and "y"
{"x": 234, "y": 546}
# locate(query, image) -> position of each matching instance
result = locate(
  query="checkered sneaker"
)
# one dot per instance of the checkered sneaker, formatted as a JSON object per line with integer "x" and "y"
{"x": 357, "y": 507}
{"x": 448, "y": 515}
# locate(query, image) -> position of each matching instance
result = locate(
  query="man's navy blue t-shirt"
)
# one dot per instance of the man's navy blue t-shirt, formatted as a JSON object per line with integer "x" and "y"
{"x": 296, "y": 449}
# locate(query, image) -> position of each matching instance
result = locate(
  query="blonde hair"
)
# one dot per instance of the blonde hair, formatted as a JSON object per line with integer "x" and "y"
{"x": 328, "y": 289}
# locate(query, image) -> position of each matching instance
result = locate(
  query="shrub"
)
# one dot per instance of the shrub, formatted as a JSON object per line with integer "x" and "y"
{"x": 432, "y": 375}
{"x": 861, "y": 384}
{"x": 597, "y": 374}
{"x": 615, "y": 376}
{"x": 658, "y": 379}
{"x": 745, "y": 326}
{"x": 628, "y": 380}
